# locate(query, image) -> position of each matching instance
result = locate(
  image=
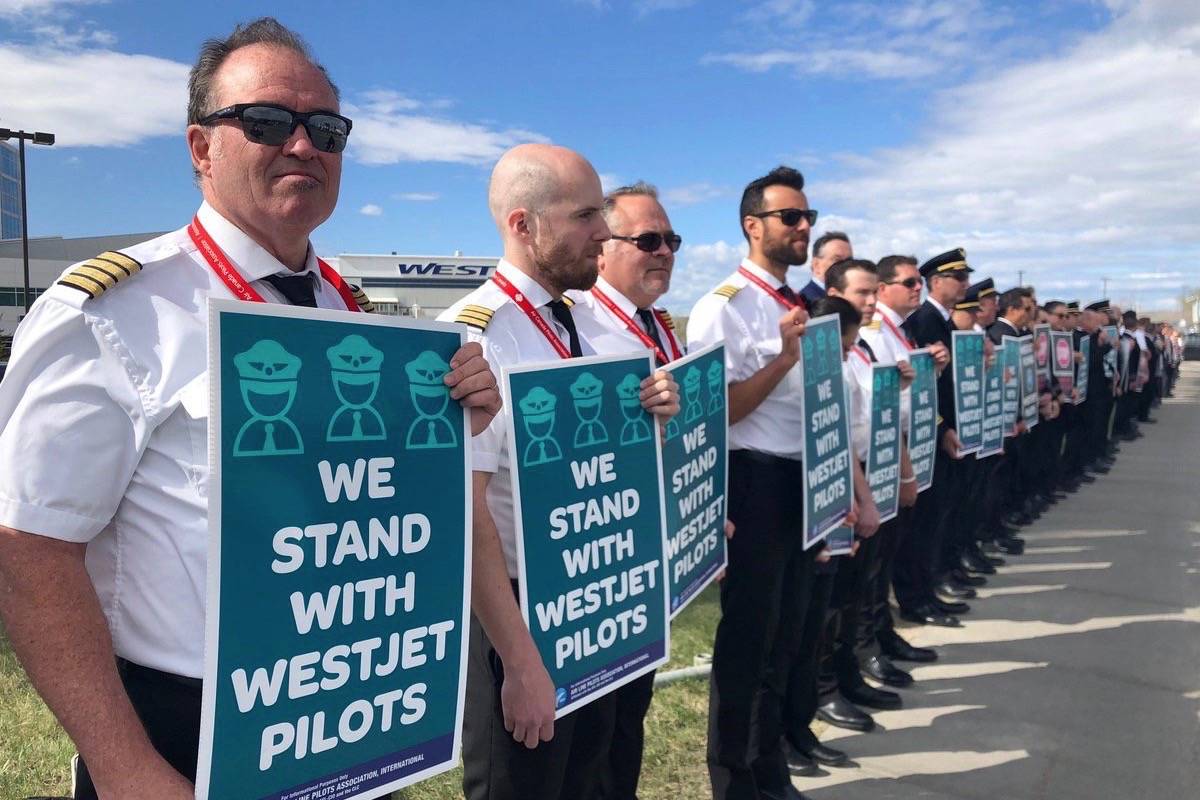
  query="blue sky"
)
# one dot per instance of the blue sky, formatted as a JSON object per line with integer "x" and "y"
{"x": 1056, "y": 139}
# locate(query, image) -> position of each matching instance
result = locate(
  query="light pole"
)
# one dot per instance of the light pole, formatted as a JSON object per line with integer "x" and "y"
{"x": 37, "y": 138}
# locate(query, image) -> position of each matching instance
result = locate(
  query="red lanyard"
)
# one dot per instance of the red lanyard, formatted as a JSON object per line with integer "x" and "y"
{"x": 636, "y": 329}
{"x": 241, "y": 289}
{"x": 859, "y": 351}
{"x": 769, "y": 289}
{"x": 537, "y": 319}
{"x": 896, "y": 332}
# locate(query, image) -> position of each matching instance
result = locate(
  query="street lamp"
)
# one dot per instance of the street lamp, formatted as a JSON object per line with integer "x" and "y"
{"x": 37, "y": 138}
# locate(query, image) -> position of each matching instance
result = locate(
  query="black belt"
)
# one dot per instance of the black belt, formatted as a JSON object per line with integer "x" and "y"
{"x": 131, "y": 671}
{"x": 767, "y": 458}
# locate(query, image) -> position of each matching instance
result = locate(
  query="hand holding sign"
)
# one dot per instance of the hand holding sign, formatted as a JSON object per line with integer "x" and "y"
{"x": 907, "y": 374}
{"x": 472, "y": 383}
{"x": 660, "y": 395}
{"x": 791, "y": 328}
{"x": 941, "y": 356}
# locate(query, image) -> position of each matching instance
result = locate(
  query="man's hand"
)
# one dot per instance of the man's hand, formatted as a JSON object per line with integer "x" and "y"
{"x": 660, "y": 395}
{"x": 868, "y": 520}
{"x": 527, "y": 699}
{"x": 823, "y": 555}
{"x": 729, "y": 529}
{"x": 989, "y": 352}
{"x": 907, "y": 374}
{"x": 791, "y": 328}
{"x": 950, "y": 444}
{"x": 941, "y": 356}
{"x": 1020, "y": 427}
{"x": 1078, "y": 357}
{"x": 472, "y": 383}
{"x": 908, "y": 493}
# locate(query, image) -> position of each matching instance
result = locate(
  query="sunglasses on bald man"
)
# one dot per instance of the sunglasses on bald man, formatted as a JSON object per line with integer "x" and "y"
{"x": 650, "y": 241}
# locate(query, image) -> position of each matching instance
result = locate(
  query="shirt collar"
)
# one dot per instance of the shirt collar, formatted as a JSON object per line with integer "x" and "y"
{"x": 250, "y": 258}
{"x": 621, "y": 301}
{"x": 941, "y": 309}
{"x": 770, "y": 279}
{"x": 1008, "y": 323}
{"x": 526, "y": 285}
{"x": 886, "y": 311}
{"x": 820, "y": 283}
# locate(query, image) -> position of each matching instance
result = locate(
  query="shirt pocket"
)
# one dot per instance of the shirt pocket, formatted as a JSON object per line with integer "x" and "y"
{"x": 192, "y": 416}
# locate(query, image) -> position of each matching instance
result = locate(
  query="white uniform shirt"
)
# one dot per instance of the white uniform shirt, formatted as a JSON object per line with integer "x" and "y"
{"x": 860, "y": 390}
{"x": 748, "y": 324}
{"x": 509, "y": 339}
{"x": 606, "y": 331}
{"x": 890, "y": 345}
{"x": 104, "y": 435}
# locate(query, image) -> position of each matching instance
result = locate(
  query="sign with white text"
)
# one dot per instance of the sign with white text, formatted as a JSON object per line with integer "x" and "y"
{"x": 1063, "y": 362}
{"x": 883, "y": 456}
{"x": 1029, "y": 383}
{"x": 993, "y": 409}
{"x": 1085, "y": 365}
{"x": 1011, "y": 349}
{"x": 968, "y": 389}
{"x": 828, "y": 474}
{"x": 1041, "y": 346}
{"x": 922, "y": 421}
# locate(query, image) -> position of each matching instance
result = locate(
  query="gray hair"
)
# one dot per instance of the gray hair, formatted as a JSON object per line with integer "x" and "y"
{"x": 214, "y": 52}
{"x": 639, "y": 189}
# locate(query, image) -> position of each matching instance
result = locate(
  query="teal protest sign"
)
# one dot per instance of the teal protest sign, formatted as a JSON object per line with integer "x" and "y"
{"x": 1081, "y": 380}
{"x": 694, "y": 469}
{"x": 1063, "y": 361}
{"x": 339, "y": 554}
{"x": 828, "y": 474}
{"x": 1042, "y": 348}
{"x": 840, "y": 541}
{"x": 993, "y": 409}
{"x": 588, "y": 503}
{"x": 922, "y": 422}
{"x": 883, "y": 458}
{"x": 1011, "y": 349}
{"x": 967, "y": 347}
{"x": 1029, "y": 384}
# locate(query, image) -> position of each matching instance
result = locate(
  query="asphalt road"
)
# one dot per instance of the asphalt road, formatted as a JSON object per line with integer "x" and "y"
{"x": 1077, "y": 672}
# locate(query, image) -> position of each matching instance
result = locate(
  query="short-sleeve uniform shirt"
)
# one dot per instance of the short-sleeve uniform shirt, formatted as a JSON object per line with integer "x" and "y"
{"x": 890, "y": 345}
{"x": 607, "y": 332}
{"x": 104, "y": 434}
{"x": 746, "y": 319}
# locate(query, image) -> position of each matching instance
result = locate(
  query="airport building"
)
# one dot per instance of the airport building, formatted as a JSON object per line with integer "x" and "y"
{"x": 10, "y": 192}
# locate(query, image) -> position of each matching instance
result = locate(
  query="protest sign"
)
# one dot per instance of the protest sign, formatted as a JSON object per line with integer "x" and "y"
{"x": 922, "y": 421}
{"x": 1063, "y": 361}
{"x": 828, "y": 484}
{"x": 883, "y": 457}
{"x": 1029, "y": 383}
{"x": 694, "y": 469}
{"x": 1011, "y": 348}
{"x": 1041, "y": 346}
{"x": 967, "y": 348}
{"x": 840, "y": 540}
{"x": 339, "y": 554}
{"x": 993, "y": 408}
{"x": 588, "y": 506}
{"x": 1085, "y": 365}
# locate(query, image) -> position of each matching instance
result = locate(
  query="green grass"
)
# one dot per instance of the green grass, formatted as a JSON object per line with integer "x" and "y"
{"x": 35, "y": 753}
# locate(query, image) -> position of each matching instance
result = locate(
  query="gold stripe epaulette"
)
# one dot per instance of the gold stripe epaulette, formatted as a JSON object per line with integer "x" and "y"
{"x": 360, "y": 297}
{"x": 873, "y": 325}
{"x": 727, "y": 291}
{"x": 475, "y": 316}
{"x": 568, "y": 301}
{"x": 97, "y": 275}
{"x": 665, "y": 319}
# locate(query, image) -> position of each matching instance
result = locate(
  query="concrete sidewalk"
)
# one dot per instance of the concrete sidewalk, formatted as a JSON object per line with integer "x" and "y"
{"x": 1077, "y": 673}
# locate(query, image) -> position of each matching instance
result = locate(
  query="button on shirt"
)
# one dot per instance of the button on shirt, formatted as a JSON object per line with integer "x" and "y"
{"x": 104, "y": 435}
{"x": 606, "y": 331}
{"x": 511, "y": 339}
{"x": 748, "y": 325}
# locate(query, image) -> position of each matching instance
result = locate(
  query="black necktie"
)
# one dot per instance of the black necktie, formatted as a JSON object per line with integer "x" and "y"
{"x": 296, "y": 289}
{"x": 647, "y": 318}
{"x": 787, "y": 293}
{"x": 863, "y": 344}
{"x": 563, "y": 314}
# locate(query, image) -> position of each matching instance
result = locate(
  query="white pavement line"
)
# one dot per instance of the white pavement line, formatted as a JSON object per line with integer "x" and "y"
{"x": 941, "y": 672}
{"x": 901, "y": 720}
{"x": 1193, "y": 695}
{"x": 954, "y": 690}
{"x": 904, "y": 765}
{"x": 1033, "y": 588}
{"x": 983, "y": 631}
{"x": 1061, "y": 550}
{"x": 1080, "y": 534}
{"x": 1027, "y": 569}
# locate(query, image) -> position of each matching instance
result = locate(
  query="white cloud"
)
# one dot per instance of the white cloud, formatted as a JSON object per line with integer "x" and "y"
{"x": 610, "y": 181}
{"x": 418, "y": 197}
{"x": 693, "y": 194}
{"x": 21, "y": 8}
{"x": 390, "y": 128}
{"x": 645, "y": 7}
{"x": 92, "y": 98}
{"x": 1061, "y": 171}
{"x": 371, "y": 210}
{"x": 698, "y": 268}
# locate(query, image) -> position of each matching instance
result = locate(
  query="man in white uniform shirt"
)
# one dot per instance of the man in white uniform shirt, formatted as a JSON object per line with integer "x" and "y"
{"x": 547, "y": 204}
{"x": 104, "y": 418}
{"x": 768, "y": 583}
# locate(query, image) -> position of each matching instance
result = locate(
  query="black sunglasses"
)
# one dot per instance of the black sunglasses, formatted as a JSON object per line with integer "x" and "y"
{"x": 650, "y": 241}
{"x": 264, "y": 123}
{"x": 907, "y": 283}
{"x": 791, "y": 216}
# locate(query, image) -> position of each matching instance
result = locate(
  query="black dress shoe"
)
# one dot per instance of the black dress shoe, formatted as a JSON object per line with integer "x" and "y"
{"x": 785, "y": 792}
{"x": 927, "y": 614}
{"x": 976, "y": 566}
{"x": 963, "y": 578}
{"x": 799, "y": 763}
{"x": 1085, "y": 478}
{"x": 1001, "y": 529}
{"x": 947, "y": 588}
{"x": 1100, "y": 469}
{"x": 1013, "y": 545}
{"x": 827, "y": 756}
{"x": 1018, "y": 518}
{"x": 950, "y": 607}
{"x": 896, "y": 646}
{"x": 883, "y": 670}
{"x": 993, "y": 558}
{"x": 841, "y": 713}
{"x": 869, "y": 696}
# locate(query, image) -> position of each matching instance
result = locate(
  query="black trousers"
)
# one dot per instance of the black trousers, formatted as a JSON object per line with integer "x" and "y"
{"x": 838, "y": 665}
{"x": 169, "y": 708}
{"x": 875, "y": 613}
{"x": 802, "y": 699}
{"x": 764, "y": 598}
{"x": 496, "y": 767}
{"x": 913, "y": 576}
{"x": 619, "y": 781}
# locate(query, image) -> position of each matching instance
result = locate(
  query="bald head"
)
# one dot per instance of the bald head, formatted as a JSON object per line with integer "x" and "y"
{"x": 534, "y": 177}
